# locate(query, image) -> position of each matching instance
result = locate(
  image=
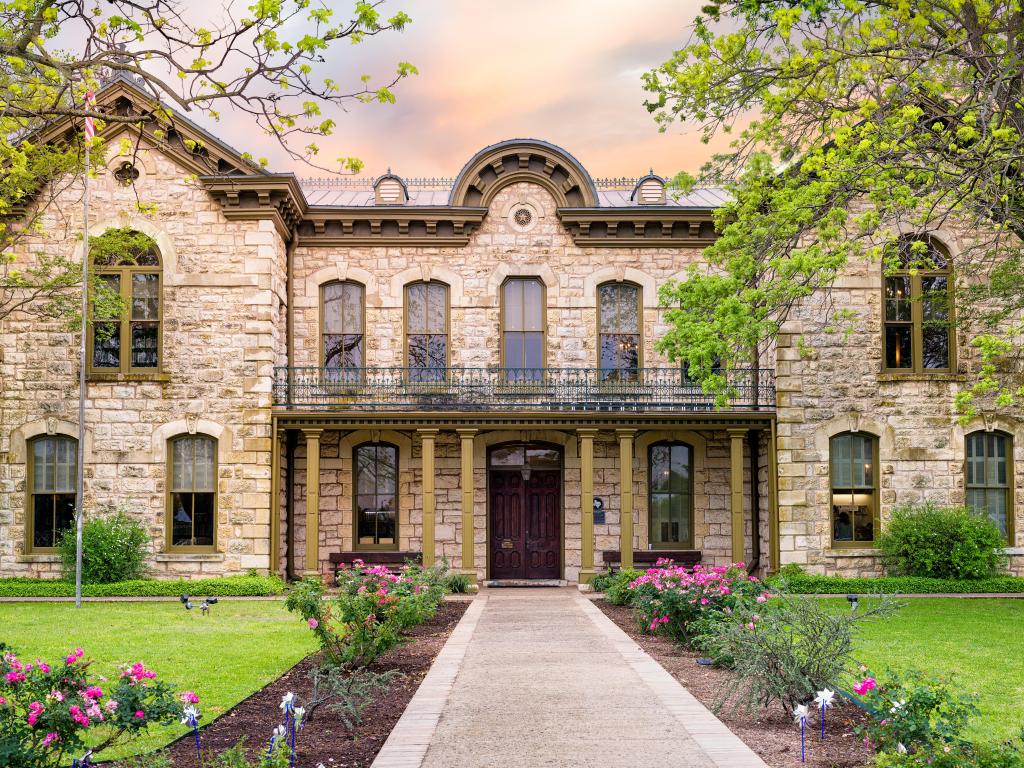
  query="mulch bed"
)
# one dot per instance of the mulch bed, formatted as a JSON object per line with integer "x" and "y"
{"x": 325, "y": 739}
{"x": 770, "y": 733}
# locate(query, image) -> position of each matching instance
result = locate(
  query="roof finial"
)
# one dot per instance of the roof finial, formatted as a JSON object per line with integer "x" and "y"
{"x": 389, "y": 171}
{"x": 650, "y": 172}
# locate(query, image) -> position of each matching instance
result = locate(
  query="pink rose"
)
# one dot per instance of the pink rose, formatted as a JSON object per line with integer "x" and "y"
{"x": 865, "y": 685}
{"x": 188, "y": 697}
{"x": 140, "y": 715}
{"x": 313, "y": 623}
{"x": 50, "y": 738}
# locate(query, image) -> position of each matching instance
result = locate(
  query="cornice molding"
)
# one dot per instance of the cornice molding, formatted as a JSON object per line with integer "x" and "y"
{"x": 245, "y": 198}
{"x": 398, "y": 225}
{"x": 647, "y": 226}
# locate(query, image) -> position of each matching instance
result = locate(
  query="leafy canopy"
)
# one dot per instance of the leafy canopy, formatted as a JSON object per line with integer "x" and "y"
{"x": 853, "y": 123}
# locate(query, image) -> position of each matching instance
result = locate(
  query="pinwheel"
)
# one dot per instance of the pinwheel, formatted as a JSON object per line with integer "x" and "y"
{"x": 823, "y": 701}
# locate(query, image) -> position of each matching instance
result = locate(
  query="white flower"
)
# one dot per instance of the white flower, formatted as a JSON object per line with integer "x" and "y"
{"x": 901, "y": 749}
{"x": 189, "y": 715}
{"x": 825, "y": 699}
{"x": 896, "y": 707}
{"x": 287, "y": 701}
{"x": 800, "y": 714}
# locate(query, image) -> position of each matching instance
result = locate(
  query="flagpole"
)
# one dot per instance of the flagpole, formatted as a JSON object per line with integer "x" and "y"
{"x": 80, "y": 479}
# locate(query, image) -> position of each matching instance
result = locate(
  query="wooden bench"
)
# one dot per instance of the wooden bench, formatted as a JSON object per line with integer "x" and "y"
{"x": 645, "y": 558}
{"x": 392, "y": 560}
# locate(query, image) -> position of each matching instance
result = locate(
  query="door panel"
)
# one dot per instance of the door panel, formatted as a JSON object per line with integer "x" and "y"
{"x": 507, "y": 541}
{"x": 543, "y": 544}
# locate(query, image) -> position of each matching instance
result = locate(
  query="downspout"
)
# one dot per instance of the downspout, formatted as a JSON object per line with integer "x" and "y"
{"x": 291, "y": 436}
{"x": 753, "y": 443}
{"x": 290, "y": 441}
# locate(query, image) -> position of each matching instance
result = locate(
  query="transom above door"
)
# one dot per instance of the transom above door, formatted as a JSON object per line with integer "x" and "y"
{"x": 524, "y": 495}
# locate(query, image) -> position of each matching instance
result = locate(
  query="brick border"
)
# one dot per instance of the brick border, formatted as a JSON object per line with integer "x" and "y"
{"x": 407, "y": 745}
{"x": 723, "y": 747}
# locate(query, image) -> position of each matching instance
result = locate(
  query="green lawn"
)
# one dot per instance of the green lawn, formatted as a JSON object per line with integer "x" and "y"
{"x": 980, "y": 641}
{"x": 238, "y": 648}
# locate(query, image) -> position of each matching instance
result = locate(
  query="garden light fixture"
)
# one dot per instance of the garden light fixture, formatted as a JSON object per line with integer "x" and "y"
{"x": 853, "y": 603}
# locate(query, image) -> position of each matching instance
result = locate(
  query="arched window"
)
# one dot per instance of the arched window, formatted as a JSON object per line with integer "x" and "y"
{"x": 853, "y": 457}
{"x": 52, "y": 479}
{"x": 192, "y": 493}
{"x": 619, "y": 324}
{"x": 989, "y": 478}
{"x": 125, "y": 338}
{"x": 342, "y": 321}
{"x": 426, "y": 331}
{"x": 523, "y": 333}
{"x": 918, "y": 328}
{"x": 670, "y": 484}
{"x": 376, "y": 496}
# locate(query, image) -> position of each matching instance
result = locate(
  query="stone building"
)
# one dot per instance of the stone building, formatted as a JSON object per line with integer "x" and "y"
{"x": 310, "y": 372}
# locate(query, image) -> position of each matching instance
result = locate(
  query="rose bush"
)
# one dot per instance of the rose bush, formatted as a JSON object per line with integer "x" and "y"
{"x": 681, "y": 602}
{"x": 51, "y": 713}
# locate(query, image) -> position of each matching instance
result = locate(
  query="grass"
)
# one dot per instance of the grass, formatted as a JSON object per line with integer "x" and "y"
{"x": 979, "y": 641}
{"x": 240, "y": 647}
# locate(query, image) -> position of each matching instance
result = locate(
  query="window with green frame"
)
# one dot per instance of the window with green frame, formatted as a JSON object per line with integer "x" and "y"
{"x": 853, "y": 457}
{"x": 52, "y": 477}
{"x": 619, "y": 325}
{"x": 670, "y": 484}
{"x": 989, "y": 470}
{"x": 192, "y": 493}
{"x": 376, "y": 496}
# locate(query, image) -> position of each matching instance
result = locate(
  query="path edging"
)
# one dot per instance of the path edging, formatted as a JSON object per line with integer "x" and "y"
{"x": 723, "y": 747}
{"x": 407, "y": 745}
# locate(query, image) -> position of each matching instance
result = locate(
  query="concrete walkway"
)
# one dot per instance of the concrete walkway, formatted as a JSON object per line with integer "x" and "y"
{"x": 540, "y": 677}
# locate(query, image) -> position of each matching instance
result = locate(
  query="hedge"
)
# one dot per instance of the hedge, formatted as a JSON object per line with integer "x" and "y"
{"x": 837, "y": 585}
{"x": 226, "y": 586}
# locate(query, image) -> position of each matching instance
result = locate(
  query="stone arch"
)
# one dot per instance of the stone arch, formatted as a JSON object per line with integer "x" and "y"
{"x": 425, "y": 273}
{"x": 191, "y": 425}
{"x": 350, "y": 440}
{"x": 989, "y": 423}
{"x": 856, "y": 422}
{"x": 51, "y": 425}
{"x": 566, "y": 440}
{"x": 620, "y": 275}
{"x": 505, "y": 270}
{"x": 340, "y": 272}
{"x": 497, "y": 166}
{"x": 694, "y": 439}
{"x": 124, "y": 220}
{"x": 701, "y": 504}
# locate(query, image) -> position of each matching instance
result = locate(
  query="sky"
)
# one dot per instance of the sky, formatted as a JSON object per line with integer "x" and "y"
{"x": 567, "y": 71}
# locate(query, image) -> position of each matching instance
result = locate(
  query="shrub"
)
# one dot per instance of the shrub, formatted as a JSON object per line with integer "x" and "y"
{"x": 785, "y": 650}
{"x": 912, "y": 711}
{"x": 941, "y": 542}
{"x": 371, "y": 610}
{"x": 457, "y": 583}
{"x": 838, "y": 585}
{"x": 671, "y": 599}
{"x": 939, "y": 755}
{"x": 616, "y": 590}
{"x": 345, "y": 693}
{"x": 789, "y": 570}
{"x": 113, "y": 549}
{"x": 221, "y": 586}
{"x": 50, "y": 713}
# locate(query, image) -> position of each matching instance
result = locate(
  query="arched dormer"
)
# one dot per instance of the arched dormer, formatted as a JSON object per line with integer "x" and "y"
{"x": 497, "y": 166}
{"x": 649, "y": 190}
{"x": 390, "y": 189}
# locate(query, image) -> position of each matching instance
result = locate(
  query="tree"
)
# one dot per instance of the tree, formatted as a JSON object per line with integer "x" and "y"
{"x": 854, "y": 122}
{"x": 262, "y": 62}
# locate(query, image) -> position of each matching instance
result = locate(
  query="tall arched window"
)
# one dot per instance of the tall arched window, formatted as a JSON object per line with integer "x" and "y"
{"x": 670, "y": 484}
{"x": 52, "y": 476}
{"x": 523, "y": 328}
{"x": 376, "y": 496}
{"x": 918, "y": 328}
{"x": 126, "y": 338}
{"x": 192, "y": 493}
{"x": 426, "y": 331}
{"x": 853, "y": 457}
{"x": 990, "y": 478}
{"x": 619, "y": 324}
{"x": 342, "y": 321}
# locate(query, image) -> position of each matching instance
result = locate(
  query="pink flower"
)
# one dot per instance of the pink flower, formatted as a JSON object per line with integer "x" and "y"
{"x": 94, "y": 692}
{"x": 865, "y": 685}
{"x": 140, "y": 715}
{"x": 95, "y": 712}
{"x": 3, "y": 701}
{"x": 313, "y": 623}
{"x": 762, "y": 599}
{"x": 35, "y": 709}
{"x": 750, "y": 625}
{"x": 78, "y": 716}
{"x": 111, "y": 706}
{"x": 79, "y": 652}
{"x": 43, "y": 666}
{"x": 188, "y": 697}
{"x": 15, "y": 677}
{"x": 50, "y": 738}
{"x": 55, "y": 695}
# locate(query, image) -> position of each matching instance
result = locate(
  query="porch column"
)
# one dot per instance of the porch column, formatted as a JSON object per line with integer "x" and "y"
{"x": 312, "y": 501}
{"x": 625, "y": 497}
{"x": 275, "y": 499}
{"x": 429, "y": 501}
{"x": 773, "y": 501}
{"x": 466, "y": 482}
{"x": 736, "y": 491}
{"x": 587, "y": 503}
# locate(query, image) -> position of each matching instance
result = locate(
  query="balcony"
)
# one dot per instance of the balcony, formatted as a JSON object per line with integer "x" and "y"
{"x": 513, "y": 389}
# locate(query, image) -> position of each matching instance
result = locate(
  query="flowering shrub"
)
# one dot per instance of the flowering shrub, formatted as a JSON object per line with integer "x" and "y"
{"x": 671, "y": 599}
{"x": 940, "y": 755}
{"x": 372, "y": 609}
{"x": 911, "y": 713}
{"x": 48, "y": 713}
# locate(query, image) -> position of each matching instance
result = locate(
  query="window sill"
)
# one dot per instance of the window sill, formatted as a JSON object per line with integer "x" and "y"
{"x": 852, "y": 552}
{"x": 38, "y": 557}
{"x": 189, "y": 557}
{"x": 911, "y": 376}
{"x": 1013, "y": 550}
{"x": 103, "y": 376}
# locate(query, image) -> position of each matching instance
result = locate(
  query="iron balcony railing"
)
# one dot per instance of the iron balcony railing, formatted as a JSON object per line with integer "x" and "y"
{"x": 488, "y": 389}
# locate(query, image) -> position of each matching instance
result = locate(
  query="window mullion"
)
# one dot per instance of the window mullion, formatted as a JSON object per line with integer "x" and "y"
{"x": 125, "y": 326}
{"x": 917, "y": 322}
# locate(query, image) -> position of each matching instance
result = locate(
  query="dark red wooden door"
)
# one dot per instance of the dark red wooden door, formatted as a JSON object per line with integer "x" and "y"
{"x": 525, "y": 524}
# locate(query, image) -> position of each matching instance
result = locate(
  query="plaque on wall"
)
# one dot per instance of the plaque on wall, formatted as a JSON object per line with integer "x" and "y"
{"x": 598, "y": 511}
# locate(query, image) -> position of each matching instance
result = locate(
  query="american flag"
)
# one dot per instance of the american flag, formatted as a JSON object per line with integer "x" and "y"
{"x": 90, "y": 124}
